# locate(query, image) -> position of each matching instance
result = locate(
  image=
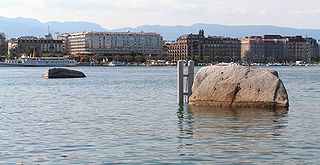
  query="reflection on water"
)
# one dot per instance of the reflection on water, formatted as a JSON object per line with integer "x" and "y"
{"x": 229, "y": 135}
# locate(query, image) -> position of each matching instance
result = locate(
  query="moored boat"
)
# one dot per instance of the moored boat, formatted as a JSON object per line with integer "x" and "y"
{"x": 24, "y": 61}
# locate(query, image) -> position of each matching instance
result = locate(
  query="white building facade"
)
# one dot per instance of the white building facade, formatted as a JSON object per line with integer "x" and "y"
{"x": 114, "y": 43}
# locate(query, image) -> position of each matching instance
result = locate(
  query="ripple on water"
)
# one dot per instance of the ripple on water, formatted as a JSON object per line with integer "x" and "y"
{"x": 129, "y": 115}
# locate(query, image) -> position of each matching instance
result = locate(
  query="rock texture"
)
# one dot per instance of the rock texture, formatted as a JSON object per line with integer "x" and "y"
{"x": 62, "y": 73}
{"x": 238, "y": 86}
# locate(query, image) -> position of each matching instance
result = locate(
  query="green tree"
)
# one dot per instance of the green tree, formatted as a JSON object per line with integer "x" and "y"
{"x": 168, "y": 58}
{"x": 314, "y": 58}
{"x": 10, "y": 57}
{"x": 147, "y": 58}
{"x": 206, "y": 59}
{"x": 138, "y": 58}
{"x": 236, "y": 58}
{"x": 188, "y": 58}
{"x": 96, "y": 57}
{"x": 294, "y": 59}
{"x": 128, "y": 58}
{"x": 254, "y": 59}
{"x": 117, "y": 58}
{"x": 245, "y": 58}
{"x": 263, "y": 59}
{"x": 197, "y": 58}
{"x": 216, "y": 58}
{"x": 269, "y": 59}
{"x": 279, "y": 59}
{"x": 201, "y": 32}
{"x": 227, "y": 59}
{"x": 71, "y": 57}
{"x": 86, "y": 58}
{"x": 158, "y": 57}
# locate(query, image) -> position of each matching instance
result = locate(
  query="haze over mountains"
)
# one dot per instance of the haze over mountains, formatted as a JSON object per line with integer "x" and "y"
{"x": 16, "y": 27}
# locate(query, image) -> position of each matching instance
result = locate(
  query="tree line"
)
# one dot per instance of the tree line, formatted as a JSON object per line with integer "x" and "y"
{"x": 120, "y": 58}
{"x": 197, "y": 59}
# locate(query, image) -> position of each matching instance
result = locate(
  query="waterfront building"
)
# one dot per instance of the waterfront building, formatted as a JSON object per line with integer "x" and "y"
{"x": 3, "y": 46}
{"x": 187, "y": 47}
{"x": 191, "y": 45}
{"x": 113, "y": 43}
{"x": 165, "y": 47}
{"x": 64, "y": 38}
{"x": 278, "y": 48}
{"x": 312, "y": 49}
{"x": 34, "y": 46}
{"x": 12, "y": 48}
{"x": 275, "y": 47}
{"x": 264, "y": 48}
{"x": 222, "y": 48}
{"x": 252, "y": 47}
{"x": 297, "y": 48}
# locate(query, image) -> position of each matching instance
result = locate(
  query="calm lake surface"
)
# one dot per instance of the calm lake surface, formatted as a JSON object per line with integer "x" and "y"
{"x": 130, "y": 115}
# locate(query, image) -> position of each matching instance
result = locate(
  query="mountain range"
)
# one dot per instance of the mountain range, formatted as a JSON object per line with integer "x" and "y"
{"x": 16, "y": 27}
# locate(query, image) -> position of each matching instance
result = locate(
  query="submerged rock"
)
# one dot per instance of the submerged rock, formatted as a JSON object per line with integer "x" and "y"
{"x": 238, "y": 86}
{"x": 62, "y": 73}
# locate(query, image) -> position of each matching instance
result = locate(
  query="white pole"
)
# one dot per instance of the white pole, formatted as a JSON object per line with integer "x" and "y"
{"x": 180, "y": 81}
{"x": 190, "y": 77}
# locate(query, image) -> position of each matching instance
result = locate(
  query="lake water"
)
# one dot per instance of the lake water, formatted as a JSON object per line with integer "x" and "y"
{"x": 130, "y": 115}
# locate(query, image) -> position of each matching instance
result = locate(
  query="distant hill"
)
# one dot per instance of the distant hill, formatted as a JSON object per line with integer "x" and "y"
{"x": 16, "y": 27}
{"x": 172, "y": 32}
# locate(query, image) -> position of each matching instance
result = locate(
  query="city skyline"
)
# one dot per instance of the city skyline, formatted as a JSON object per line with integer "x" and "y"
{"x": 114, "y": 14}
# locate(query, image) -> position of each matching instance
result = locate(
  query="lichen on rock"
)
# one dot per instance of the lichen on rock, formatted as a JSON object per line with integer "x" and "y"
{"x": 238, "y": 86}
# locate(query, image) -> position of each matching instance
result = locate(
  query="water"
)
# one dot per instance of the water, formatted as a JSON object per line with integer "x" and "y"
{"x": 129, "y": 115}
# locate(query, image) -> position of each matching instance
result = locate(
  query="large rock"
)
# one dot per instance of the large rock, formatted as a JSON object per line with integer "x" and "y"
{"x": 62, "y": 73}
{"x": 238, "y": 86}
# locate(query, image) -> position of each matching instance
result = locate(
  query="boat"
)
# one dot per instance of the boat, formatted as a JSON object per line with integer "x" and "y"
{"x": 26, "y": 61}
{"x": 115, "y": 63}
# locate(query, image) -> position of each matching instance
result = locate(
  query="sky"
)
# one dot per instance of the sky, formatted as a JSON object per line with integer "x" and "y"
{"x": 113, "y": 14}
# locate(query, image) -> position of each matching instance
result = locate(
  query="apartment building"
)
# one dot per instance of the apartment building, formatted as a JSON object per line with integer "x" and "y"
{"x": 113, "y": 43}
{"x": 187, "y": 46}
{"x": 252, "y": 47}
{"x": 225, "y": 48}
{"x": 312, "y": 48}
{"x": 278, "y": 48}
{"x": 191, "y": 45}
{"x": 34, "y": 46}
{"x": 275, "y": 47}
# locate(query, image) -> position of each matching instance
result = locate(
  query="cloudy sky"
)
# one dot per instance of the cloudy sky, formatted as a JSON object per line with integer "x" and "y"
{"x": 113, "y": 14}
